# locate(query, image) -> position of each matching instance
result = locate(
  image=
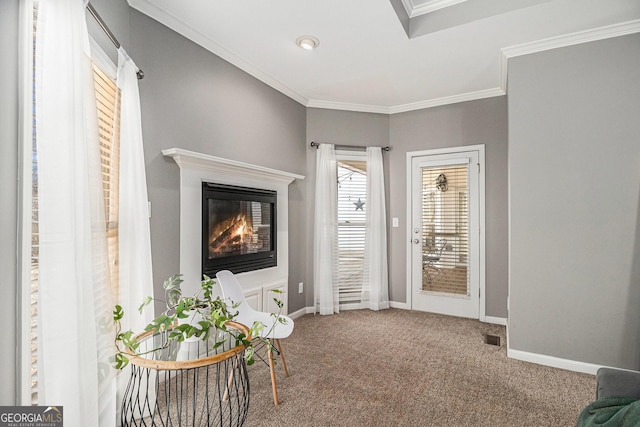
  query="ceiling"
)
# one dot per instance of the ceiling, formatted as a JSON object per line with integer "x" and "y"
{"x": 388, "y": 56}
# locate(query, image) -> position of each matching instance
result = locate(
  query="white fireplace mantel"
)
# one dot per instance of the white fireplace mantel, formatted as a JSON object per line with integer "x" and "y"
{"x": 191, "y": 159}
{"x": 196, "y": 168}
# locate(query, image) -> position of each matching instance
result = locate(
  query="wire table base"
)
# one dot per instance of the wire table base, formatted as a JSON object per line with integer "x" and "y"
{"x": 188, "y": 384}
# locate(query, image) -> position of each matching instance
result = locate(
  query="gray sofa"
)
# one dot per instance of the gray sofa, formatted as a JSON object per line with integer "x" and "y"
{"x": 612, "y": 382}
{"x": 617, "y": 401}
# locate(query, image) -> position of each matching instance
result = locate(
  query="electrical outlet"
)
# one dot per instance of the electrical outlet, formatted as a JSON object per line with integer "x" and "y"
{"x": 300, "y": 287}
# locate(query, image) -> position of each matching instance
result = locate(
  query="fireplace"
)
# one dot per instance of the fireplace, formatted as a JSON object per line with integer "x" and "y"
{"x": 238, "y": 228}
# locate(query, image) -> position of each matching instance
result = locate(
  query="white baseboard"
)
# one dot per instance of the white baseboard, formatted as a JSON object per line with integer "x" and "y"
{"x": 402, "y": 305}
{"x": 351, "y": 306}
{"x": 309, "y": 310}
{"x": 555, "y": 362}
{"x": 299, "y": 313}
{"x": 393, "y": 304}
{"x": 496, "y": 320}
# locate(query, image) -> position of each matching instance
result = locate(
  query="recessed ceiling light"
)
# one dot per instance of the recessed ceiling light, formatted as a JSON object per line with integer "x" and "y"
{"x": 307, "y": 42}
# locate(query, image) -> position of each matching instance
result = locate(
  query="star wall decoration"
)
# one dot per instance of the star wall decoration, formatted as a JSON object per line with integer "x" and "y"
{"x": 359, "y": 205}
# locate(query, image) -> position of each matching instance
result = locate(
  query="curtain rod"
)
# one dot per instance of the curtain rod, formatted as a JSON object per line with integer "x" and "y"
{"x": 109, "y": 34}
{"x": 349, "y": 147}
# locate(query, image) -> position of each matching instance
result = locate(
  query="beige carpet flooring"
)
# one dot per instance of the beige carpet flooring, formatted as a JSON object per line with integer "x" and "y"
{"x": 404, "y": 368}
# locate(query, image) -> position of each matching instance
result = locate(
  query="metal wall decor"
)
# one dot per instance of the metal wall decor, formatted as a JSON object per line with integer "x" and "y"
{"x": 441, "y": 183}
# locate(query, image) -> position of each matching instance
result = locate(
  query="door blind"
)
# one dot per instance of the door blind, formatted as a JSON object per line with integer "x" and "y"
{"x": 352, "y": 188}
{"x": 445, "y": 229}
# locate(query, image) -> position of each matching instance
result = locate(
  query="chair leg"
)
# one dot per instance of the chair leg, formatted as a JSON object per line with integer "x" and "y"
{"x": 284, "y": 362}
{"x": 230, "y": 380}
{"x": 273, "y": 375}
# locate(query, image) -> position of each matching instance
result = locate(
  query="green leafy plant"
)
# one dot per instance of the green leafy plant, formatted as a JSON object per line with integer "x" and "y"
{"x": 212, "y": 314}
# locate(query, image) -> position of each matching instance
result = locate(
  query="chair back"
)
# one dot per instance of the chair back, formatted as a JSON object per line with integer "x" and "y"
{"x": 231, "y": 291}
{"x": 442, "y": 243}
{"x": 230, "y": 286}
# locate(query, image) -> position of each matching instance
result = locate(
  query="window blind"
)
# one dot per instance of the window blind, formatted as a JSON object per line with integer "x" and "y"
{"x": 108, "y": 109}
{"x": 352, "y": 187}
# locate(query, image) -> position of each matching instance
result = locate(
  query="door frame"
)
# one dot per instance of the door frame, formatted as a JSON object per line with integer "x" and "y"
{"x": 481, "y": 218}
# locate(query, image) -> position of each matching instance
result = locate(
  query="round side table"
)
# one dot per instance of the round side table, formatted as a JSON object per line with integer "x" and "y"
{"x": 190, "y": 383}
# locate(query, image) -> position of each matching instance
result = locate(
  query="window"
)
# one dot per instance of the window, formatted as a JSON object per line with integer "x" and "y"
{"x": 108, "y": 106}
{"x": 352, "y": 186}
{"x": 108, "y": 112}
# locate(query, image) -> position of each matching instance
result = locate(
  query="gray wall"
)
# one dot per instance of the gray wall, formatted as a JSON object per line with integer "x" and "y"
{"x": 116, "y": 14}
{"x": 8, "y": 192}
{"x": 574, "y": 155}
{"x": 194, "y": 100}
{"x": 469, "y": 123}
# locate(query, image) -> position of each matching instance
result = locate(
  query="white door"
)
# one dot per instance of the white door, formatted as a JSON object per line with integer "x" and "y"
{"x": 445, "y": 234}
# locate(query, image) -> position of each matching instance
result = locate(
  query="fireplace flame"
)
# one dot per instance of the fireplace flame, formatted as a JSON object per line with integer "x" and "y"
{"x": 231, "y": 235}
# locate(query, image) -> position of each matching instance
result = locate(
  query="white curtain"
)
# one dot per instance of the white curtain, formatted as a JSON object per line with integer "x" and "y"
{"x": 136, "y": 276}
{"x": 375, "y": 289}
{"x": 74, "y": 306}
{"x": 326, "y": 232}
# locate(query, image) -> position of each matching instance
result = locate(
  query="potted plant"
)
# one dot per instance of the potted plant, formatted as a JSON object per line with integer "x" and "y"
{"x": 186, "y": 318}
{"x": 165, "y": 372}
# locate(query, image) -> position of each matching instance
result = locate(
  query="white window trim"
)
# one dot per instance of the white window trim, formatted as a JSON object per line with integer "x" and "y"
{"x": 100, "y": 57}
{"x": 351, "y": 155}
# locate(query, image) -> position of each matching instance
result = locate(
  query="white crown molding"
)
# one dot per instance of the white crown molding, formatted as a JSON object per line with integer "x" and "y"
{"x": 600, "y": 33}
{"x": 453, "y": 99}
{"x": 408, "y": 6}
{"x": 345, "y": 106}
{"x": 428, "y": 7}
{"x": 197, "y": 37}
{"x": 429, "y": 103}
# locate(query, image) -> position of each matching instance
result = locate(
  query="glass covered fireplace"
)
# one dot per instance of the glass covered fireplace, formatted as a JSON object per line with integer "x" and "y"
{"x": 238, "y": 228}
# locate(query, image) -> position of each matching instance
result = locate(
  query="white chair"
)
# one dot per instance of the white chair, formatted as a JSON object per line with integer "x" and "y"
{"x": 273, "y": 329}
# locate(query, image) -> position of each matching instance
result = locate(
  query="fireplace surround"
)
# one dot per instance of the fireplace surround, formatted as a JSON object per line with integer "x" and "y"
{"x": 196, "y": 168}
